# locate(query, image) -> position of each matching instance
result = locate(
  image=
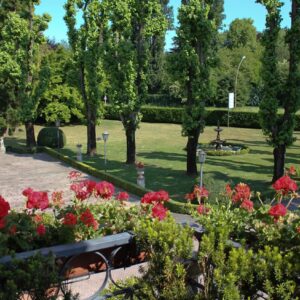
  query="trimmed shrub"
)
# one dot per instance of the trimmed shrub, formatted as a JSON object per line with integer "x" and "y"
{"x": 51, "y": 137}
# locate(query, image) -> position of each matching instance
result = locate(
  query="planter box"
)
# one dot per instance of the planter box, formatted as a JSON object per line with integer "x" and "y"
{"x": 77, "y": 261}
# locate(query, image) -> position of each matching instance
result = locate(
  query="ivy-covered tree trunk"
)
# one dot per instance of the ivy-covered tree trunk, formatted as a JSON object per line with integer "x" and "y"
{"x": 30, "y": 136}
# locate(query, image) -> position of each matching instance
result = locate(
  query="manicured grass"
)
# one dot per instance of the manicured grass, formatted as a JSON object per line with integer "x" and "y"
{"x": 161, "y": 148}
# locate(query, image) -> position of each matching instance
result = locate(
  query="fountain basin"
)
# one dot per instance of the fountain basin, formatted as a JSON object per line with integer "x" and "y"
{"x": 226, "y": 149}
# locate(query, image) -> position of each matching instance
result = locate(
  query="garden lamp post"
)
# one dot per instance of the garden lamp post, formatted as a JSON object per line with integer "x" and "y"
{"x": 202, "y": 156}
{"x": 236, "y": 80}
{"x": 105, "y": 135}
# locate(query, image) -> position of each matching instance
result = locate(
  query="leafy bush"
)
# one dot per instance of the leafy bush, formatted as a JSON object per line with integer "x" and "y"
{"x": 51, "y": 137}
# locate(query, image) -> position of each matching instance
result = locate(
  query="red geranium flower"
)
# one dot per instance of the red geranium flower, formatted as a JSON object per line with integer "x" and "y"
{"x": 122, "y": 196}
{"x": 155, "y": 197}
{"x": 73, "y": 175}
{"x": 189, "y": 197}
{"x": 298, "y": 229}
{"x": 247, "y": 205}
{"x": 159, "y": 211}
{"x": 292, "y": 170}
{"x": 88, "y": 219}
{"x": 4, "y": 207}
{"x": 200, "y": 192}
{"x": 278, "y": 210}
{"x": 284, "y": 185}
{"x": 202, "y": 210}
{"x": 82, "y": 189}
{"x": 2, "y": 223}
{"x": 37, "y": 200}
{"x": 41, "y": 229}
{"x": 70, "y": 219}
{"x": 104, "y": 189}
{"x": 241, "y": 192}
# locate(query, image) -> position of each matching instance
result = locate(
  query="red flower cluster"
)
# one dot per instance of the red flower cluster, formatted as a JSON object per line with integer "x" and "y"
{"x": 74, "y": 175}
{"x": 122, "y": 196}
{"x": 155, "y": 197}
{"x": 247, "y": 205}
{"x": 70, "y": 219}
{"x": 284, "y": 185}
{"x": 203, "y": 210}
{"x": 159, "y": 211}
{"x": 277, "y": 211}
{"x": 104, "y": 189}
{"x": 241, "y": 192}
{"x": 83, "y": 189}
{"x": 88, "y": 219}
{"x": 35, "y": 199}
{"x": 198, "y": 193}
{"x": 4, "y": 208}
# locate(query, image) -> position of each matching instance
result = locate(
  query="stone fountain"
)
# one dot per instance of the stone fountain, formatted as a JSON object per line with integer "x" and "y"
{"x": 218, "y": 143}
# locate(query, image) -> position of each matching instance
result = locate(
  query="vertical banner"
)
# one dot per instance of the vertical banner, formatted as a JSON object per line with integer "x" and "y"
{"x": 230, "y": 105}
{"x": 231, "y": 100}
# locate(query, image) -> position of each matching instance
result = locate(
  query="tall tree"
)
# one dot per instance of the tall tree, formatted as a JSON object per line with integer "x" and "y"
{"x": 199, "y": 21}
{"x": 279, "y": 128}
{"x": 133, "y": 24}
{"x": 87, "y": 43}
{"x": 21, "y": 38}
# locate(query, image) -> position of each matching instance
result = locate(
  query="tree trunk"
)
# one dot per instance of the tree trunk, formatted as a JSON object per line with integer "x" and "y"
{"x": 91, "y": 133}
{"x": 191, "y": 161}
{"x": 30, "y": 136}
{"x": 279, "y": 158}
{"x": 130, "y": 141}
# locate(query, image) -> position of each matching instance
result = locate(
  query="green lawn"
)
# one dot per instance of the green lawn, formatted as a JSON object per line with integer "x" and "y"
{"x": 160, "y": 147}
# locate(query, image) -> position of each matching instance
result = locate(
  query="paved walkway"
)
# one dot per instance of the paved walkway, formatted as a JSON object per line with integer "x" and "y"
{"x": 40, "y": 172}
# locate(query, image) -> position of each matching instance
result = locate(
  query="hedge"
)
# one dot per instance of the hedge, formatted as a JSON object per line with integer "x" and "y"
{"x": 245, "y": 118}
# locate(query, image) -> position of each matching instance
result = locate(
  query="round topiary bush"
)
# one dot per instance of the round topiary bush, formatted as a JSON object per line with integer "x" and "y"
{"x": 51, "y": 137}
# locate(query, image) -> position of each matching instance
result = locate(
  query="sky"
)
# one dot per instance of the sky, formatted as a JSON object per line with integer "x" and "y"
{"x": 233, "y": 9}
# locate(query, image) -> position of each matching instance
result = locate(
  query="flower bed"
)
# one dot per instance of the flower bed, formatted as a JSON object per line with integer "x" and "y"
{"x": 90, "y": 223}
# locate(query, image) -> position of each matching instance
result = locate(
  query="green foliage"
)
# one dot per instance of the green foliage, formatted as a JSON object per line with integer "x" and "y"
{"x": 37, "y": 278}
{"x": 61, "y": 99}
{"x": 166, "y": 243}
{"x": 3, "y": 126}
{"x": 51, "y": 137}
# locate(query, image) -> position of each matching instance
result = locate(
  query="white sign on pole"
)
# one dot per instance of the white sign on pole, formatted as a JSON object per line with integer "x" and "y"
{"x": 231, "y": 100}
